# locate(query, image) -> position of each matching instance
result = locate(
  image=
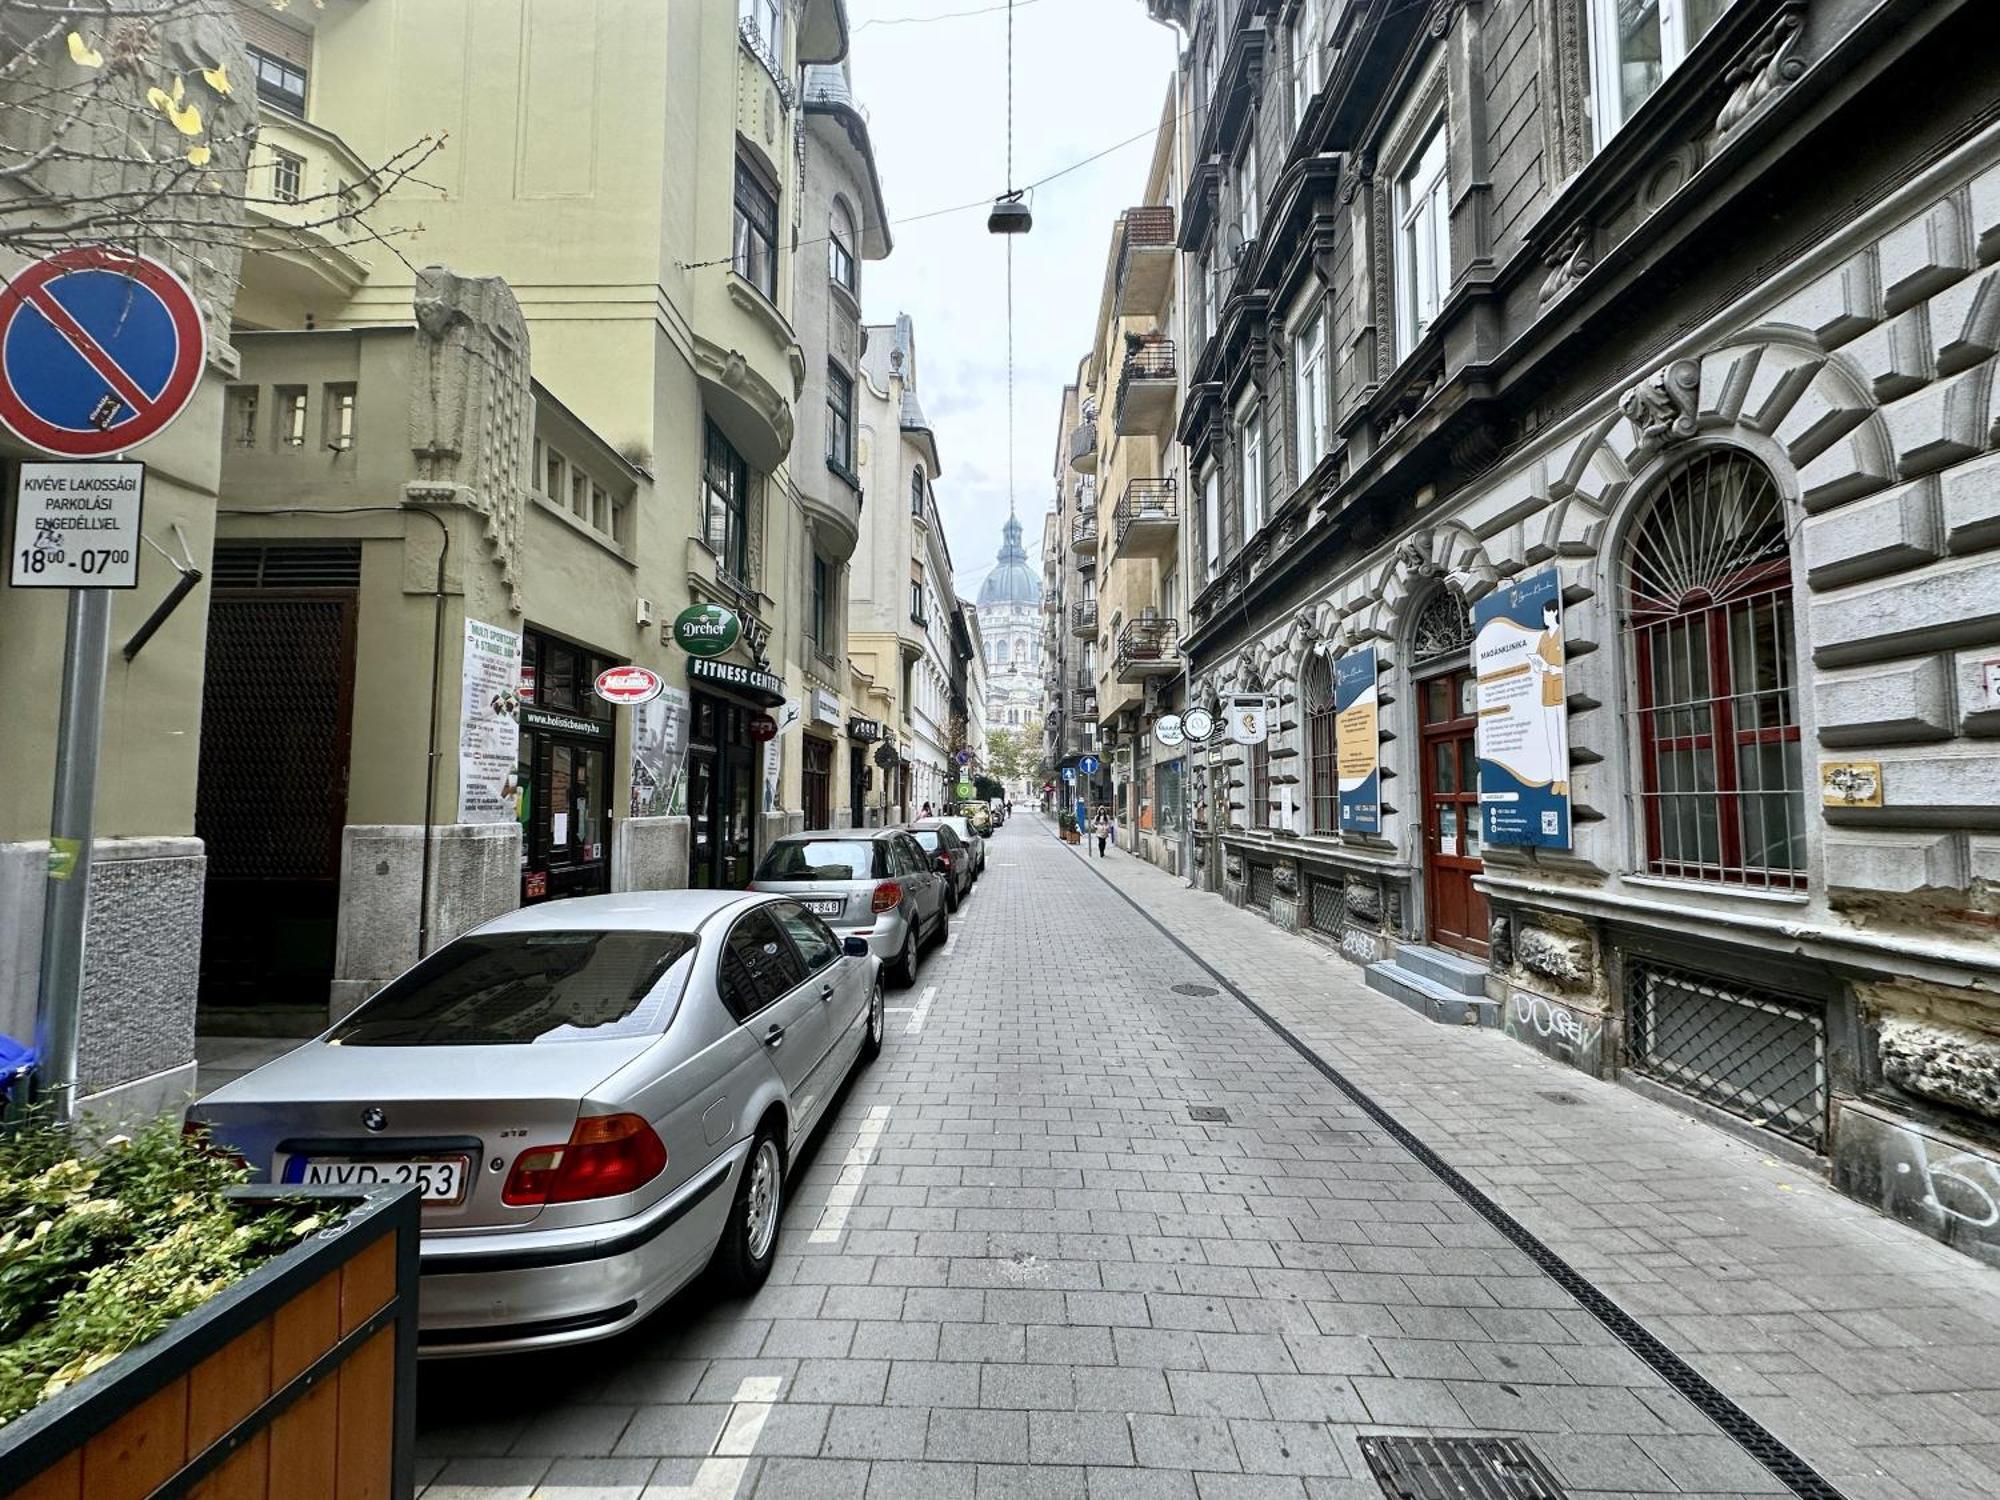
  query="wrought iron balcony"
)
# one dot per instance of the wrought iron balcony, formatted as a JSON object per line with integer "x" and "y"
{"x": 1083, "y": 538}
{"x": 1083, "y": 618}
{"x": 1147, "y": 647}
{"x": 1146, "y": 521}
{"x": 1147, "y": 389}
{"x": 1083, "y": 446}
{"x": 1146, "y": 260}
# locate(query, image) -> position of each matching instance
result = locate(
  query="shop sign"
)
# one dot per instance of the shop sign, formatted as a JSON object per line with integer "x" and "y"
{"x": 535, "y": 885}
{"x": 549, "y": 721}
{"x": 706, "y": 629}
{"x": 1523, "y": 727}
{"x": 763, "y": 727}
{"x": 1248, "y": 718}
{"x": 489, "y": 725}
{"x": 659, "y": 749}
{"x": 1167, "y": 730}
{"x": 1850, "y": 783}
{"x": 826, "y": 707}
{"x": 886, "y": 757}
{"x": 864, "y": 729}
{"x": 629, "y": 685}
{"x": 1198, "y": 724}
{"x": 1357, "y": 742}
{"x": 760, "y": 687}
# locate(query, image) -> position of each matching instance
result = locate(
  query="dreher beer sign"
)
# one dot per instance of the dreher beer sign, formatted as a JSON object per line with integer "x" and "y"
{"x": 706, "y": 629}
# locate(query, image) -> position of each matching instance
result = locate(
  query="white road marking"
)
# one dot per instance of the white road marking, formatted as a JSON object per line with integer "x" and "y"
{"x": 720, "y": 1477}
{"x": 950, "y": 945}
{"x": 846, "y": 1190}
{"x": 923, "y": 1009}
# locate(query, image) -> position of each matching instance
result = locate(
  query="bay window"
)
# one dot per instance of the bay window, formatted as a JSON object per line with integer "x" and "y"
{"x": 725, "y": 486}
{"x": 754, "y": 251}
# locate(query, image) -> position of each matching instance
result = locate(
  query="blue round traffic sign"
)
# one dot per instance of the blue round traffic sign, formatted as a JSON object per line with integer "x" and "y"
{"x": 1088, "y": 765}
{"x": 99, "y": 350}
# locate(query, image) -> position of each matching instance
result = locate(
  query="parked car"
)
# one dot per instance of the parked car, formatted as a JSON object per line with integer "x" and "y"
{"x": 941, "y": 844}
{"x": 596, "y": 1098}
{"x": 968, "y": 836}
{"x": 875, "y": 883}
{"x": 980, "y": 816}
{"x": 998, "y": 807}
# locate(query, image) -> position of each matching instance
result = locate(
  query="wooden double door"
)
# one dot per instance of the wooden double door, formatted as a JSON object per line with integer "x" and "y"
{"x": 1455, "y": 914}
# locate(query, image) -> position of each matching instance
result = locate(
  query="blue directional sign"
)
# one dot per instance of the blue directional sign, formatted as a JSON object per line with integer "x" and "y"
{"x": 964, "y": 757}
{"x": 99, "y": 350}
{"x": 1089, "y": 765}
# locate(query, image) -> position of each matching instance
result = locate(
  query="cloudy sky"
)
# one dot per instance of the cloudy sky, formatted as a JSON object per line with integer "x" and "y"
{"x": 1087, "y": 74}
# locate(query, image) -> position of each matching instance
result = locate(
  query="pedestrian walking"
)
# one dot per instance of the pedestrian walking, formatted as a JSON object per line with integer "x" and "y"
{"x": 1102, "y": 828}
{"x": 927, "y": 810}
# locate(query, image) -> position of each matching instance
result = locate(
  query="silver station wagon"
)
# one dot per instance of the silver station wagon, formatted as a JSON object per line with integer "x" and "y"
{"x": 873, "y": 883}
{"x": 596, "y": 1098}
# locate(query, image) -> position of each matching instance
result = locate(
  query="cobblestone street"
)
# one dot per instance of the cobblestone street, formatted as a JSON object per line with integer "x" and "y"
{"x": 1017, "y": 1264}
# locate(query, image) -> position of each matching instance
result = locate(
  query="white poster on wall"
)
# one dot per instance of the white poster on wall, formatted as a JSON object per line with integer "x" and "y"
{"x": 659, "y": 751}
{"x": 489, "y": 725}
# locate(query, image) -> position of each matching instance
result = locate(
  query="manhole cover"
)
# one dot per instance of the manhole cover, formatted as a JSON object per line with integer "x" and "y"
{"x": 1560, "y": 1096}
{"x": 1214, "y": 1114}
{"x": 1417, "y": 1468}
{"x": 1195, "y": 989}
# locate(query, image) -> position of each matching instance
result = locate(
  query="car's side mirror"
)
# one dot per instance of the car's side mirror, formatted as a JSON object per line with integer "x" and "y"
{"x": 854, "y": 947}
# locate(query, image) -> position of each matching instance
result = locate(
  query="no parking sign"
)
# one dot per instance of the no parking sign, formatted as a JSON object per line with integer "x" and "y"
{"x": 99, "y": 350}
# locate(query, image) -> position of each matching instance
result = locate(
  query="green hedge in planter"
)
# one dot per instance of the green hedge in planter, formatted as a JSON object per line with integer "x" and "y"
{"x": 101, "y": 1251}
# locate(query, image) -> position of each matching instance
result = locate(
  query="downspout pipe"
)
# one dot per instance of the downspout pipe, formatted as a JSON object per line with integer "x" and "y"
{"x": 431, "y": 751}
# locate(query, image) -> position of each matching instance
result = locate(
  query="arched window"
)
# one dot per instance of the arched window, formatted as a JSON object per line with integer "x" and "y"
{"x": 1003, "y": 651}
{"x": 842, "y": 268}
{"x": 1708, "y": 605}
{"x": 1316, "y": 688}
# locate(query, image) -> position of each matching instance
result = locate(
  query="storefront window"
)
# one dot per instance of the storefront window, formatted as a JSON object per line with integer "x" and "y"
{"x": 1167, "y": 795}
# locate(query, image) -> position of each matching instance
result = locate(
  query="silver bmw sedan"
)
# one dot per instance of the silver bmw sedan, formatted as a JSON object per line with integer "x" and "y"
{"x": 596, "y": 1098}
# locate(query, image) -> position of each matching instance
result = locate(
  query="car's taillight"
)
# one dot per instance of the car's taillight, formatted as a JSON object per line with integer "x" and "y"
{"x": 888, "y": 896}
{"x": 605, "y": 1155}
{"x": 202, "y": 1134}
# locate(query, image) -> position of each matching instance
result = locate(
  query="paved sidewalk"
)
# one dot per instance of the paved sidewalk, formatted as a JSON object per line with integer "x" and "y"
{"x": 1869, "y": 1348}
{"x": 1017, "y": 1265}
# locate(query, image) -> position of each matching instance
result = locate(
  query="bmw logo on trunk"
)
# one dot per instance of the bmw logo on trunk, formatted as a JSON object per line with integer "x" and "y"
{"x": 375, "y": 1118}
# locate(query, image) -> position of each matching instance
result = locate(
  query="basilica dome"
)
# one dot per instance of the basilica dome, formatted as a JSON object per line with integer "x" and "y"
{"x": 1013, "y": 581}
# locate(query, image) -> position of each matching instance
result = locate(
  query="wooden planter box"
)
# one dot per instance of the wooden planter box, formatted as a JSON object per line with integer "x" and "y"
{"x": 297, "y": 1383}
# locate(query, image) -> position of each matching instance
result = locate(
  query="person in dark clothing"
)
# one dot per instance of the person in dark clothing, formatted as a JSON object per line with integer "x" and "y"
{"x": 1102, "y": 828}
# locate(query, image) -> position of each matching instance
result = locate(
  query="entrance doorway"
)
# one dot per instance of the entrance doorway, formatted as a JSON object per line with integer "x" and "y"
{"x": 567, "y": 736}
{"x": 857, "y": 785}
{"x": 271, "y": 799}
{"x": 1454, "y": 913}
{"x": 816, "y": 773}
{"x": 723, "y": 785}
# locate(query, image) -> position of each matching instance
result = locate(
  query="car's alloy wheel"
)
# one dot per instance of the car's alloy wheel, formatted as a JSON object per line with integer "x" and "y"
{"x": 951, "y": 896}
{"x": 944, "y": 921}
{"x": 910, "y": 958}
{"x": 871, "y": 1040}
{"x": 749, "y": 1240}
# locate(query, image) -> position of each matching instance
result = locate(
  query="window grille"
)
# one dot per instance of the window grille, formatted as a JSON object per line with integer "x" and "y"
{"x": 1444, "y": 628}
{"x": 1708, "y": 605}
{"x": 1260, "y": 783}
{"x": 1754, "y": 1054}
{"x": 1263, "y": 886}
{"x": 287, "y": 565}
{"x": 1327, "y": 906}
{"x": 1323, "y": 770}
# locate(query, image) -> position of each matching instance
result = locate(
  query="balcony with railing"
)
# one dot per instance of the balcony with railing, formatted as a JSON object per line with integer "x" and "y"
{"x": 305, "y": 191}
{"x": 1083, "y": 618}
{"x": 1146, "y": 521}
{"x": 1083, "y": 706}
{"x": 1146, "y": 260}
{"x": 1083, "y": 538}
{"x": 1147, "y": 647}
{"x": 1147, "y": 389}
{"x": 1083, "y": 446}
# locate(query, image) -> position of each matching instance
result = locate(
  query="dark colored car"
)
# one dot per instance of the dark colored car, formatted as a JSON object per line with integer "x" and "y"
{"x": 952, "y": 855}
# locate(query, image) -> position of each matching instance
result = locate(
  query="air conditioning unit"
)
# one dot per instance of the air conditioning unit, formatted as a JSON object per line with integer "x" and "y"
{"x": 645, "y": 613}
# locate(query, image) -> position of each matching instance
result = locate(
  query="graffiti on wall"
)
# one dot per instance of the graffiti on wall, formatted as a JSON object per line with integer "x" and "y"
{"x": 1552, "y": 1027}
{"x": 1944, "y": 1187}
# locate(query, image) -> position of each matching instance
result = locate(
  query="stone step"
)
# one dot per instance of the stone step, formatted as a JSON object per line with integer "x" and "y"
{"x": 1452, "y": 970}
{"x": 1428, "y": 998}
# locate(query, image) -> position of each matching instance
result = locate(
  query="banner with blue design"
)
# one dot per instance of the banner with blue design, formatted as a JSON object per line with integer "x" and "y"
{"x": 1357, "y": 742}
{"x": 1523, "y": 734}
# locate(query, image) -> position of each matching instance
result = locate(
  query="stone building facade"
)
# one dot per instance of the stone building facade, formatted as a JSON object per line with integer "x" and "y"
{"x": 1010, "y": 627}
{"x": 1700, "y": 319}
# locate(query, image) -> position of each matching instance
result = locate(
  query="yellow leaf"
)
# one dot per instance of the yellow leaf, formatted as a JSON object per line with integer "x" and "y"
{"x": 158, "y": 99}
{"x": 81, "y": 54}
{"x": 198, "y": 156}
{"x": 217, "y": 77}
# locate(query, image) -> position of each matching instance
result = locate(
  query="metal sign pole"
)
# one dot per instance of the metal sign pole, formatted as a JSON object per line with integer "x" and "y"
{"x": 85, "y": 651}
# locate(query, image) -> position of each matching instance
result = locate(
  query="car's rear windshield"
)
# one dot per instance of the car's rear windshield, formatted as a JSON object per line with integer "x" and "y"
{"x": 928, "y": 837}
{"x": 517, "y": 987}
{"x": 823, "y": 859}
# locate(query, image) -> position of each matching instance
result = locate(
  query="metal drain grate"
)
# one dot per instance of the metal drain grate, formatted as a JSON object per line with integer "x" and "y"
{"x": 1213, "y": 1114}
{"x": 1415, "y": 1468}
{"x": 1196, "y": 989}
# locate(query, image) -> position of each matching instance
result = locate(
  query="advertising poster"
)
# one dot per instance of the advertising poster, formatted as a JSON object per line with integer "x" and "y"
{"x": 1523, "y": 735}
{"x": 489, "y": 725}
{"x": 1357, "y": 742}
{"x": 659, "y": 750}
{"x": 1249, "y": 718}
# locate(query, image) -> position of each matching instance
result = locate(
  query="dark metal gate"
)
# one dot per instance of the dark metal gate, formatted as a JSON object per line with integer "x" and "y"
{"x": 1758, "y": 1055}
{"x": 271, "y": 803}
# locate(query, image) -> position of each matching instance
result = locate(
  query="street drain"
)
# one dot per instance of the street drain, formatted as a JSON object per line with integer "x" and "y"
{"x": 1410, "y": 1468}
{"x": 1560, "y": 1096}
{"x": 1195, "y": 989}
{"x": 1213, "y": 1114}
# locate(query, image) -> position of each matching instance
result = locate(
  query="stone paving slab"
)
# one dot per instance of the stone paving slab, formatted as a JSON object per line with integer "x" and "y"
{"x": 1053, "y": 1280}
